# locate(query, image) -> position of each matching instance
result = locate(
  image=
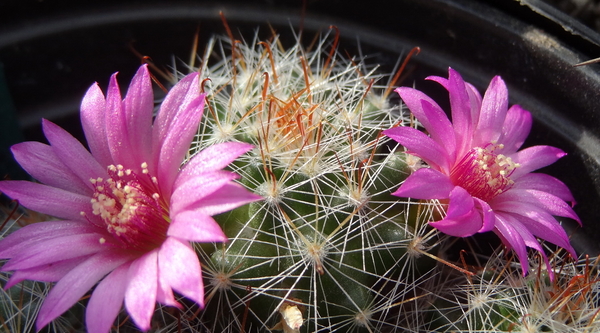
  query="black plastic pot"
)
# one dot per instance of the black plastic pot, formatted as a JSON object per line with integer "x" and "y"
{"x": 53, "y": 51}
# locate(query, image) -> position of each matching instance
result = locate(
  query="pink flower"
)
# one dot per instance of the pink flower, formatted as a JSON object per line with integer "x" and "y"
{"x": 474, "y": 164}
{"x": 128, "y": 210}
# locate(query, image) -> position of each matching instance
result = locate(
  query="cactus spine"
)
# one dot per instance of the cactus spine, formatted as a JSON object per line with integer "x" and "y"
{"x": 318, "y": 254}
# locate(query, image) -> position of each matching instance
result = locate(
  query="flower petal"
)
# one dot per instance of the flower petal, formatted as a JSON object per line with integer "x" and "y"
{"x": 462, "y": 219}
{"x": 116, "y": 125}
{"x": 93, "y": 110}
{"x": 212, "y": 158}
{"x": 179, "y": 98}
{"x": 463, "y": 117}
{"x": 474, "y": 99}
{"x": 40, "y": 161}
{"x": 530, "y": 241}
{"x": 164, "y": 293}
{"x": 106, "y": 301}
{"x": 544, "y": 226}
{"x": 49, "y": 200}
{"x": 512, "y": 239}
{"x": 431, "y": 116}
{"x": 195, "y": 227}
{"x": 35, "y": 233}
{"x": 140, "y": 295}
{"x": 177, "y": 142}
{"x": 545, "y": 183}
{"x": 228, "y": 197}
{"x": 72, "y": 153}
{"x": 56, "y": 249}
{"x": 488, "y": 215}
{"x": 420, "y": 145}
{"x": 543, "y": 200}
{"x": 427, "y": 184}
{"x": 493, "y": 112}
{"x": 515, "y": 129}
{"x": 198, "y": 188}
{"x": 474, "y": 96}
{"x": 138, "y": 107}
{"x": 45, "y": 273}
{"x": 179, "y": 266}
{"x": 533, "y": 158}
{"x": 76, "y": 283}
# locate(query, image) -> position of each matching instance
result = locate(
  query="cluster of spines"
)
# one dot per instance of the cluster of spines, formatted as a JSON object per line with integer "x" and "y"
{"x": 328, "y": 232}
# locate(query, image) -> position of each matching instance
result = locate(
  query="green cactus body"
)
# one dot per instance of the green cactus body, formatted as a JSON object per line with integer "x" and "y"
{"x": 328, "y": 234}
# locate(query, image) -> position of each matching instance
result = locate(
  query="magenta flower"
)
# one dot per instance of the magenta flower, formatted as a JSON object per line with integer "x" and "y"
{"x": 474, "y": 164}
{"x": 128, "y": 210}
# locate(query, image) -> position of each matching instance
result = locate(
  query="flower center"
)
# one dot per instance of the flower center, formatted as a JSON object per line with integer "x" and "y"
{"x": 483, "y": 173}
{"x": 131, "y": 207}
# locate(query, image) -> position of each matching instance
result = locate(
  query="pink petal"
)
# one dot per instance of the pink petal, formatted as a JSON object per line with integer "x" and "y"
{"x": 72, "y": 153}
{"x": 420, "y": 145}
{"x": 93, "y": 110}
{"x": 474, "y": 96}
{"x": 228, "y": 197}
{"x": 544, "y": 226}
{"x": 489, "y": 217}
{"x": 138, "y": 107}
{"x": 543, "y": 200}
{"x": 31, "y": 234}
{"x": 440, "y": 128}
{"x": 441, "y": 80}
{"x": 40, "y": 161}
{"x": 76, "y": 283}
{"x": 195, "y": 227}
{"x": 431, "y": 116}
{"x": 463, "y": 117}
{"x": 462, "y": 219}
{"x": 461, "y": 202}
{"x": 492, "y": 114}
{"x": 474, "y": 100}
{"x": 530, "y": 241}
{"x": 513, "y": 240}
{"x": 49, "y": 200}
{"x": 515, "y": 129}
{"x": 545, "y": 183}
{"x": 198, "y": 188}
{"x": 179, "y": 98}
{"x": 140, "y": 295}
{"x": 179, "y": 266}
{"x": 164, "y": 293}
{"x": 106, "y": 301}
{"x": 57, "y": 249}
{"x": 467, "y": 225}
{"x": 177, "y": 143}
{"x": 45, "y": 273}
{"x": 533, "y": 158}
{"x": 425, "y": 183}
{"x": 116, "y": 129}
{"x": 213, "y": 158}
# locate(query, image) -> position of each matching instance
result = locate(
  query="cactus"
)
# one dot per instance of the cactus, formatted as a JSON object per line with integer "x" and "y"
{"x": 321, "y": 251}
{"x": 500, "y": 299}
{"x": 329, "y": 248}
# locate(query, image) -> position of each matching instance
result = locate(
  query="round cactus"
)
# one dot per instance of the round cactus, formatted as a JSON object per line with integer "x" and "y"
{"x": 320, "y": 252}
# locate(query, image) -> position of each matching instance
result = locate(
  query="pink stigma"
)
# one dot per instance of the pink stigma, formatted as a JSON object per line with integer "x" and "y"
{"x": 131, "y": 208}
{"x": 483, "y": 173}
